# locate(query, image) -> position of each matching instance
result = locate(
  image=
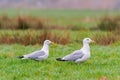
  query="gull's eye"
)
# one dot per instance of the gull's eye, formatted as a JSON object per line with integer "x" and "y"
{"x": 87, "y": 39}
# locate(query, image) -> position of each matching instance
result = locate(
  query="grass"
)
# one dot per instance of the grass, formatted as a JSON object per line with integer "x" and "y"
{"x": 32, "y": 37}
{"x": 82, "y": 18}
{"x": 103, "y": 64}
{"x": 55, "y": 13}
{"x": 104, "y": 61}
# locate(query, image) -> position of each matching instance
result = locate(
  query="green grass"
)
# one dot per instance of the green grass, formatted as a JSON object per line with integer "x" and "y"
{"x": 104, "y": 61}
{"x": 52, "y": 13}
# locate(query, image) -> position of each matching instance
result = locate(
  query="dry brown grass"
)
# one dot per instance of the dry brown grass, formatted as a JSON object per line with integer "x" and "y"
{"x": 26, "y": 22}
{"x": 109, "y": 23}
{"x": 31, "y": 38}
{"x": 29, "y": 22}
{"x": 61, "y": 39}
{"x": 20, "y": 22}
{"x": 106, "y": 39}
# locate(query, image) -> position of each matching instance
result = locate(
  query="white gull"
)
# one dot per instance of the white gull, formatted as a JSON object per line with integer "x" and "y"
{"x": 40, "y": 54}
{"x": 81, "y": 55}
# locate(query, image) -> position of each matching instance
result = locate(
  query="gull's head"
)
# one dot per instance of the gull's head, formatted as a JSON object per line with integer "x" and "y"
{"x": 47, "y": 42}
{"x": 87, "y": 40}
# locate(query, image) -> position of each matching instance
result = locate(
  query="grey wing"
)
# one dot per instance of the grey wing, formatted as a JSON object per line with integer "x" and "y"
{"x": 36, "y": 54}
{"x": 73, "y": 56}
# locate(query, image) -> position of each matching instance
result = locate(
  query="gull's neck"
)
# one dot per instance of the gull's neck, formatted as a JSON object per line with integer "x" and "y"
{"x": 86, "y": 47}
{"x": 45, "y": 47}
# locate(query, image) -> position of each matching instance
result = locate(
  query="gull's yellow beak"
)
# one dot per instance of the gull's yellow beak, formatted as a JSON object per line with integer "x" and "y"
{"x": 55, "y": 44}
{"x": 93, "y": 41}
{"x": 52, "y": 43}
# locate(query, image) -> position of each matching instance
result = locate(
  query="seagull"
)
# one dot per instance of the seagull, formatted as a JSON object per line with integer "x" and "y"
{"x": 40, "y": 54}
{"x": 79, "y": 56}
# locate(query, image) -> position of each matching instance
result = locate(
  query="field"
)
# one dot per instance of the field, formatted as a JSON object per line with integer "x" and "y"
{"x": 103, "y": 64}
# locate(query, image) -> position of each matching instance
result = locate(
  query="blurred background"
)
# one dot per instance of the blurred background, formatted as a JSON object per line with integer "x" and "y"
{"x": 30, "y": 22}
{"x": 61, "y": 4}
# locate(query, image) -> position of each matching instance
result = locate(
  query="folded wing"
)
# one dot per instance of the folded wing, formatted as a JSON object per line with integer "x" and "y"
{"x": 74, "y": 56}
{"x": 36, "y": 54}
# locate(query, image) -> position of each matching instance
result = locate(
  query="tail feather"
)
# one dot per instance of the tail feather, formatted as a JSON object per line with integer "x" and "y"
{"x": 60, "y": 59}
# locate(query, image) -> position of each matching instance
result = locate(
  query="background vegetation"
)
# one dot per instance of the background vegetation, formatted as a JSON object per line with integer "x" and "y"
{"x": 23, "y": 31}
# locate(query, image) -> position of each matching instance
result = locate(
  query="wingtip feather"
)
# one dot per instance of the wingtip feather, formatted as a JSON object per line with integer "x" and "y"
{"x": 60, "y": 59}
